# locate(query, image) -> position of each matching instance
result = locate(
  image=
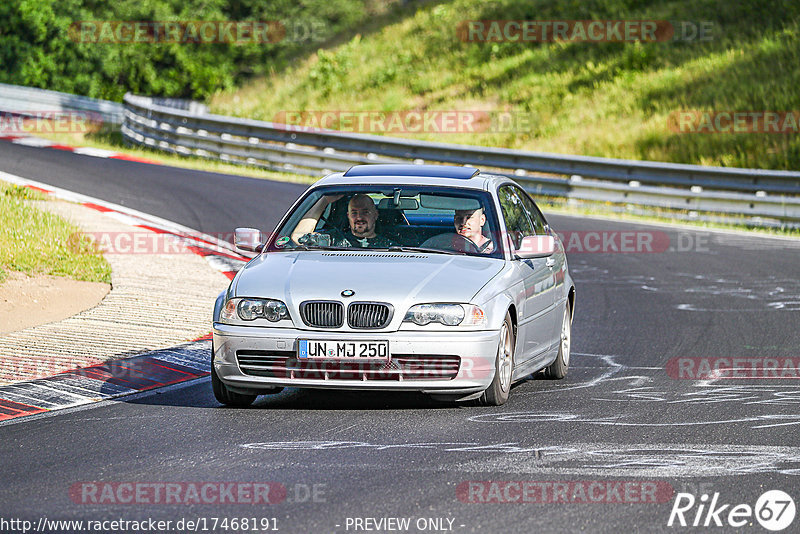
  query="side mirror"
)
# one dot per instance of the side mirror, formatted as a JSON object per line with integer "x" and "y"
{"x": 536, "y": 246}
{"x": 249, "y": 239}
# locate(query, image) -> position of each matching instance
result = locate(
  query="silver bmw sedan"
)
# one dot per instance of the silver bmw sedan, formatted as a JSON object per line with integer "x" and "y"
{"x": 437, "y": 279}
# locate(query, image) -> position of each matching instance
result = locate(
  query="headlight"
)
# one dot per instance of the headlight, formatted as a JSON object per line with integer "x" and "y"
{"x": 446, "y": 314}
{"x": 252, "y": 309}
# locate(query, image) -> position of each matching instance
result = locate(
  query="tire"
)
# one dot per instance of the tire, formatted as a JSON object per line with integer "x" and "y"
{"x": 497, "y": 392}
{"x": 223, "y": 394}
{"x": 558, "y": 369}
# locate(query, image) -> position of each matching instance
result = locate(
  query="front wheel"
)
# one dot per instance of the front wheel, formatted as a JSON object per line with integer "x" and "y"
{"x": 225, "y": 395}
{"x": 558, "y": 369}
{"x": 497, "y": 392}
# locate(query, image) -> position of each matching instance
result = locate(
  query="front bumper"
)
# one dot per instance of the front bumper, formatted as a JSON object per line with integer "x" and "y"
{"x": 475, "y": 352}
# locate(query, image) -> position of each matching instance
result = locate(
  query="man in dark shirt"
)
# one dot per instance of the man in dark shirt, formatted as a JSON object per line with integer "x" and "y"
{"x": 362, "y": 215}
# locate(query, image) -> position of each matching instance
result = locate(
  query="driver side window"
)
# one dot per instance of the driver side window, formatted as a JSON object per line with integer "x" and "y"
{"x": 517, "y": 223}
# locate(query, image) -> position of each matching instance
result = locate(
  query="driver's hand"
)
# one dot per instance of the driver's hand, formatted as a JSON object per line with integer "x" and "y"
{"x": 315, "y": 239}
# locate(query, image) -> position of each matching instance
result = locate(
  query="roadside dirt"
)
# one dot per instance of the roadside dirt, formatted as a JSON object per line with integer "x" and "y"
{"x": 27, "y": 301}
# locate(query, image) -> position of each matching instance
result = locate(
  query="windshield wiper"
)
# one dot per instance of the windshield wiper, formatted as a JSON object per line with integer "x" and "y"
{"x": 397, "y": 248}
{"x": 322, "y": 247}
{"x": 317, "y": 247}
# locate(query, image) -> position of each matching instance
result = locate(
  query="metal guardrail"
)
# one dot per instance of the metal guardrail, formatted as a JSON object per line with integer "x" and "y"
{"x": 748, "y": 192}
{"x": 29, "y": 100}
{"x": 186, "y": 127}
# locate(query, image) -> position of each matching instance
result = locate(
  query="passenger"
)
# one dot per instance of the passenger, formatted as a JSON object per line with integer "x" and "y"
{"x": 469, "y": 223}
{"x": 362, "y": 215}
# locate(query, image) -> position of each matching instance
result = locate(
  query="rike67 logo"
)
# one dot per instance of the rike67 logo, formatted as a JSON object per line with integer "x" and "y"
{"x": 774, "y": 510}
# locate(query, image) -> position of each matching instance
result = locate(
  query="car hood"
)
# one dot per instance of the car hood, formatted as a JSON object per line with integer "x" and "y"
{"x": 400, "y": 279}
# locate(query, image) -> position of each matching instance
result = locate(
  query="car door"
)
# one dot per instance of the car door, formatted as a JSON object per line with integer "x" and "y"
{"x": 535, "y": 328}
{"x": 557, "y": 263}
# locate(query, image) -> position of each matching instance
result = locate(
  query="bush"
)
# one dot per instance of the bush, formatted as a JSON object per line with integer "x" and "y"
{"x": 37, "y": 50}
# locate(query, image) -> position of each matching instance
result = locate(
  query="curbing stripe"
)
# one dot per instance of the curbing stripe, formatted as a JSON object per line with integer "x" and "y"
{"x": 112, "y": 379}
{"x": 38, "y": 142}
{"x": 12, "y": 410}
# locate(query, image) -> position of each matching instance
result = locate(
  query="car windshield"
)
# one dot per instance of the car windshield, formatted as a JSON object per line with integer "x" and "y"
{"x": 410, "y": 219}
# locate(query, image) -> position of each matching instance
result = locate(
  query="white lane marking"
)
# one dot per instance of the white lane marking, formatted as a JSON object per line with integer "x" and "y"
{"x": 124, "y": 218}
{"x": 88, "y": 387}
{"x": 788, "y": 306}
{"x": 672, "y": 460}
{"x": 508, "y": 447}
{"x": 95, "y": 152}
{"x": 612, "y": 369}
{"x": 61, "y": 391}
{"x": 33, "y": 141}
{"x": 633, "y": 367}
{"x": 28, "y": 396}
{"x": 539, "y": 417}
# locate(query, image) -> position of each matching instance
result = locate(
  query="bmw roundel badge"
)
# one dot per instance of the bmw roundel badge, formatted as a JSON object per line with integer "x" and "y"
{"x": 348, "y": 293}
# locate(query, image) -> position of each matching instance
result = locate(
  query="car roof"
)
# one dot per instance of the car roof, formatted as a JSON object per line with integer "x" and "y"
{"x": 404, "y": 174}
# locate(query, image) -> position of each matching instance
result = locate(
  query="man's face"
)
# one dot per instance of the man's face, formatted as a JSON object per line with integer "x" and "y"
{"x": 362, "y": 214}
{"x": 469, "y": 222}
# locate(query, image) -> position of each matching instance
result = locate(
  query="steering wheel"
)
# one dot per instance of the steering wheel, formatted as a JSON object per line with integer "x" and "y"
{"x": 451, "y": 241}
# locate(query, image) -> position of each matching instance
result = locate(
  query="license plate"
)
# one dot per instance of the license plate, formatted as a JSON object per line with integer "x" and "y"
{"x": 360, "y": 351}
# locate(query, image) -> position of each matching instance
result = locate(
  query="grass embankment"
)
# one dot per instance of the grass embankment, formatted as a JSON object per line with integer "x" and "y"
{"x": 37, "y": 242}
{"x": 607, "y": 99}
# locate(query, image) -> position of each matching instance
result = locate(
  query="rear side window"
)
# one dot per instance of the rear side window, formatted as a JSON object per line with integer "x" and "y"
{"x": 518, "y": 224}
{"x": 533, "y": 212}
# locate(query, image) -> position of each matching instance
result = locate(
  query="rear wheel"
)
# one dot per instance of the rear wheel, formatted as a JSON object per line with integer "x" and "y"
{"x": 497, "y": 392}
{"x": 558, "y": 369}
{"x": 225, "y": 395}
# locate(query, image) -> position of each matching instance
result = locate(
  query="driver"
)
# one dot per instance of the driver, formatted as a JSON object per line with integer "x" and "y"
{"x": 362, "y": 215}
{"x": 469, "y": 223}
